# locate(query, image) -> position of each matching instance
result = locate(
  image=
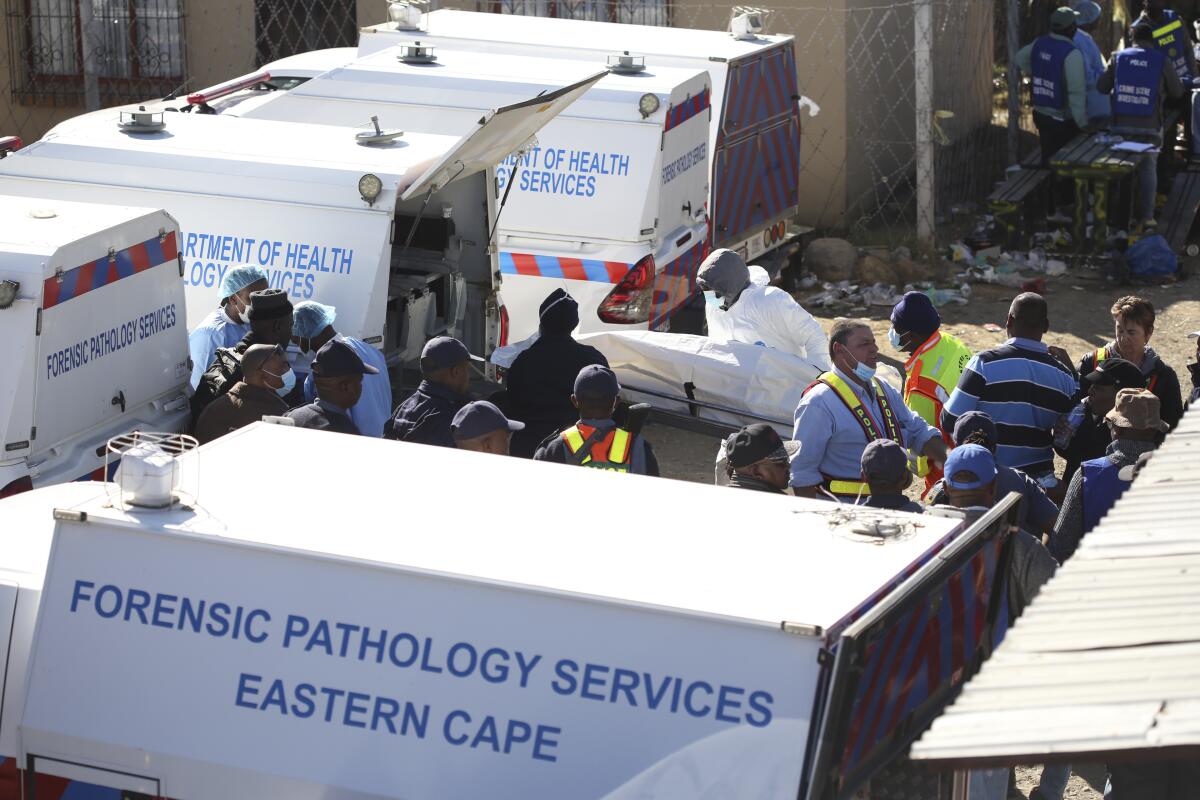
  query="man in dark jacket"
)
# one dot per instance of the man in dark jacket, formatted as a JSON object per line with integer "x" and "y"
{"x": 270, "y": 323}
{"x": 757, "y": 459}
{"x": 596, "y": 441}
{"x": 338, "y": 371}
{"x": 1194, "y": 369}
{"x": 542, "y": 378}
{"x": 1092, "y": 438}
{"x": 425, "y": 417}
{"x": 251, "y": 398}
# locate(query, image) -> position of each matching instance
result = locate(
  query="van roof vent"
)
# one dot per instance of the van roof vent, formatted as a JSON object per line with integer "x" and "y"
{"x": 377, "y": 136}
{"x": 625, "y": 64}
{"x": 416, "y": 53}
{"x": 141, "y": 121}
{"x": 148, "y": 473}
{"x": 407, "y": 15}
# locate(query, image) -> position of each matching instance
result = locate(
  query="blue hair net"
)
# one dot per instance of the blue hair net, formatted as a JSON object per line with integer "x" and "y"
{"x": 310, "y": 318}
{"x": 239, "y": 278}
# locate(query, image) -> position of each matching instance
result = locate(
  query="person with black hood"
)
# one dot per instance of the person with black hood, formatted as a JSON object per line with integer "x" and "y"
{"x": 542, "y": 378}
{"x": 1133, "y": 322}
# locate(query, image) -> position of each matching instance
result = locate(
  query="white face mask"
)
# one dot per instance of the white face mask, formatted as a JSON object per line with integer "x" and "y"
{"x": 289, "y": 381}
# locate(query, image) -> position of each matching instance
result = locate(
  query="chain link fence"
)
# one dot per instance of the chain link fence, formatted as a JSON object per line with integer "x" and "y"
{"x": 858, "y": 62}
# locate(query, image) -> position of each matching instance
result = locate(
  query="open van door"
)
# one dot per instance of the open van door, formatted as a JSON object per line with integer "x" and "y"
{"x": 500, "y": 134}
{"x": 899, "y": 665}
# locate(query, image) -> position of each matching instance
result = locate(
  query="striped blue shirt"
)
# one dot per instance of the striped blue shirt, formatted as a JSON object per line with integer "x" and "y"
{"x": 1024, "y": 390}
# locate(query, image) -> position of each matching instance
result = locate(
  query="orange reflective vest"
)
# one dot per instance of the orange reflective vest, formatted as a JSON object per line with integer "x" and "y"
{"x": 933, "y": 372}
{"x": 609, "y": 452}
{"x": 855, "y": 486}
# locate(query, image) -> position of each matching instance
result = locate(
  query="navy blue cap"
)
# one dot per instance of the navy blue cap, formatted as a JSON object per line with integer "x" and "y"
{"x": 915, "y": 312}
{"x": 755, "y": 443}
{"x": 1117, "y": 372}
{"x": 481, "y": 418}
{"x": 970, "y": 458}
{"x": 443, "y": 352}
{"x": 596, "y": 382}
{"x": 884, "y": 461}
{"x": 973, "y": 421}
{"x": 338, "y": 359}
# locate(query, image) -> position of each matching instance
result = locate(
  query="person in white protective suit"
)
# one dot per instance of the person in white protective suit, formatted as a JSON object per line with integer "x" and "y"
{"x": 738, "y": 309}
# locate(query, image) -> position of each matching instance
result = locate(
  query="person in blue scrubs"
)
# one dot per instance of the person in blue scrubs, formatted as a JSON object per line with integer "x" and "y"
{"x": 1099, "y": 107}
{"x": 226, "y": 325}
{"x": 312, "y": 328}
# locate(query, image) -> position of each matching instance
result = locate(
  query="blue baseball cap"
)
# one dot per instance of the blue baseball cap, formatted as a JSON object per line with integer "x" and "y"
{"x": 971, "y": 458}
{"x": 443, "y": 352}
{"x": 239, "y": 278}
{"x": 338, "y": 359}
{"x": 915, "y": 312}
{"x": 309, "y": 318}
{"x": 596, "y": 382}
{"x": 481, "y": 418}
{"x": 973, "y": 421}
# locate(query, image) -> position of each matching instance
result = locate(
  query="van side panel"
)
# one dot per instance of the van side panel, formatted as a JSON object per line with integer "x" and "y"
{"x": 756, "y": 166}
{"x": 113, "y": 336}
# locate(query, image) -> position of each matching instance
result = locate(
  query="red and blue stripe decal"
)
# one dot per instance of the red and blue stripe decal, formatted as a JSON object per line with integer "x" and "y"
{"x": 677, "y": 115}
{"x": 109, "y": 269}
{"x": 575, "y": 269}
{"x": 674, "y": 284}
{"x": 50, "y": 787}
{"x": 936, "y": 644}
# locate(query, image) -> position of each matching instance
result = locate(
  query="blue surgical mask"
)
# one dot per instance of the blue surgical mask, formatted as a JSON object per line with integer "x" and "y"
{"x": 864, "y": 372}
{"x": 289, "y": 382}
{"x": 711, "y": 299}
{"x": 894, "y": 338}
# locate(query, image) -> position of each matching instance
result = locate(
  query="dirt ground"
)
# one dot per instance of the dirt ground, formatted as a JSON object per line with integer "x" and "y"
{"x": 1079, "y": 321}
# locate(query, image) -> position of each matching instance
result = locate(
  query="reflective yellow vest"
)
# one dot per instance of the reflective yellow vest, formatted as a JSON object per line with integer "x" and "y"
{"x": 856, "y": 486}
{"x": 610, "y": 453}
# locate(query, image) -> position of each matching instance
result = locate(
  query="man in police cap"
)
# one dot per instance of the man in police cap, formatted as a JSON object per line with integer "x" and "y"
{"x": 425, "y": 417}
{"x": 738, "y": 310}
{"x": 885, "y": 469}
{"x": 1136, "y": 426}
{"x": 339, "y": 371}
{"x": 312, "y": 327}
{"x": 1059, "y": 89}
{"x": 935, "y": 363}
{"x": 541, "y": 379}
{"x": 482, "y": 427}
{"x": 1092, "y": 437}
{"x": 756, "y": 458}
{"x": 844, "y": 410}
{"x": 1140, "y": 79}
{"x": 595, "y": 440}
{"x": 226, "y": 325}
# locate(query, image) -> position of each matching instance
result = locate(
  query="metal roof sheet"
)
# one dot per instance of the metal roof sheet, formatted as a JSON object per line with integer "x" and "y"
{"x": 1107, "y": 658}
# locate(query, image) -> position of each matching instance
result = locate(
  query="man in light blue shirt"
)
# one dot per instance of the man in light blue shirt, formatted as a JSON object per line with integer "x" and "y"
{"x": 312, "y": 329}
{"x": 227, "y": 324}
{"x": 846, "y": 409}
{"x": 1099, "y": 108}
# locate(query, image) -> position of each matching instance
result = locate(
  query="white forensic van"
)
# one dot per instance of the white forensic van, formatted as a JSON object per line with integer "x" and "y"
{"x": 396, "y": 234}
{"x": 754, "y": 131}
{"x": 609, "y": 204}
{"x": 696, "y": 642}
{"x": 91, "y": 316}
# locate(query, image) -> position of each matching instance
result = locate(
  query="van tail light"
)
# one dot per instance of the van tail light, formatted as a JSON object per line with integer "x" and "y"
{"x": 630, "y": 300}
{"x": 503, "y": 326}
{"x": 22, "y": 484}
{"x": 228, "y": 87}
{"x": 9, "y": 144}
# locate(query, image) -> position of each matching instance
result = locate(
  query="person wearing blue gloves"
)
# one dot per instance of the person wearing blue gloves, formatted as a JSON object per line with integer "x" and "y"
{"x": 228, "y": 323}
{"x": 312, "y": 328}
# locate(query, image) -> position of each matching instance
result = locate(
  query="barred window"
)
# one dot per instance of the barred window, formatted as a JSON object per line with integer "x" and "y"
{"x": 136, "y": 48}
{"x": 286, "y": 27}
{"x": 637, "y": 12}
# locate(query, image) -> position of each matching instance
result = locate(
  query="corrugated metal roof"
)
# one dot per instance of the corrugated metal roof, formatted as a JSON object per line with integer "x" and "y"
{"x": 1107, "y": 658}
